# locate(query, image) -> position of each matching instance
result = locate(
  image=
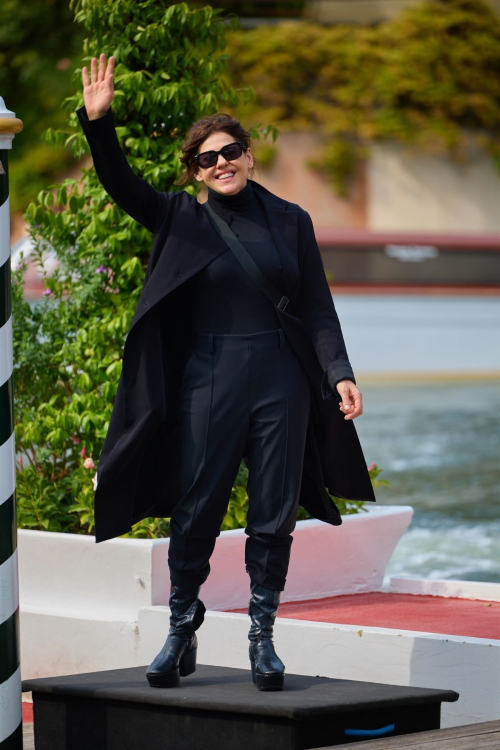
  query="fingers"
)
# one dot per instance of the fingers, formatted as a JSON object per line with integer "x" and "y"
{"x": 93, "y": 70}
{"x": 98, "y": 75}
{"x": 358, "y": 405}
{"x": 102, "y": 67}
{"x": 352, "y": 404}
{"x": 111, "y": 67}
{"x": 344, "y": 390}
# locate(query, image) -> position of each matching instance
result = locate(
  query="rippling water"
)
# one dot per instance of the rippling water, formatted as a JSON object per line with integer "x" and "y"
{"x": 439, "y": 446}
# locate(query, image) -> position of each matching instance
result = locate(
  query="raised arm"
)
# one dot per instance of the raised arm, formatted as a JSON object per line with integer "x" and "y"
{"x": 317, "y": 312}
{"x": 133, "y": 194}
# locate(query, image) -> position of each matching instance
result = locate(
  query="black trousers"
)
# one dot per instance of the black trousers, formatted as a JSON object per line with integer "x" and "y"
{"x": 241, "y": 395}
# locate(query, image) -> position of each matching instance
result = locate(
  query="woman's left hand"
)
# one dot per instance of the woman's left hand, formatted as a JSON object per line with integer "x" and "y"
{"x": 352, "y": 401}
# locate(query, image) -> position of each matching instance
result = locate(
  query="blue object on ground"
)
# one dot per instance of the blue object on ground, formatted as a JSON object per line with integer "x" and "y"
{"x": 370, "y": 732}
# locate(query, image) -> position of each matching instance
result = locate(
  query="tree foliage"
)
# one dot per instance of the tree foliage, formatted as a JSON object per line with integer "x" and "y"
{"x": 425, "y": 79}
{"x": 39, "y": 42}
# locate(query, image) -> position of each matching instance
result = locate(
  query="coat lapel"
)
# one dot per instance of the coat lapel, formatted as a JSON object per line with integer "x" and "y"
{"x": 283, "y": 223}
{"x": 199, "y": 243}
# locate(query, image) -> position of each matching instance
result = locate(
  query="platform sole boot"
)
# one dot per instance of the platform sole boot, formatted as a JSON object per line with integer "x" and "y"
{"x": 268, "y": 671}
{"x": 178, "y": 656}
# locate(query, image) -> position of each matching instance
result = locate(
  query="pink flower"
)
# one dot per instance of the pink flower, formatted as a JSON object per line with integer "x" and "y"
{"x": 372, "y": 466}
{"x": 82, "y": 452}
{"x": 101, "y": 269}
{"x": 88, "y": 463}
{"x": 76, "y": 439}
{"x": 20, "y": 459}
{"x": 46, "y": 292}
{"x": 63, "y": 63}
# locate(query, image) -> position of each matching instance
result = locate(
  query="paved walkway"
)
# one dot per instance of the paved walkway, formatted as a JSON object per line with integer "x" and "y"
{"x": 430, "y": 614}
{"x": 28, "y": 737}
{"x": 485, "y": 735}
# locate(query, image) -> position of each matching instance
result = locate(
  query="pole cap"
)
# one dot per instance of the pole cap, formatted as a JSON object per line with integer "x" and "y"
{"x": 9, "y": 126}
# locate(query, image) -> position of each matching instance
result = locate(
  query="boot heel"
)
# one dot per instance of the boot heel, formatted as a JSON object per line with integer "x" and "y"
{"x": 187, "y": 664}
{"x": 252, "y": 664}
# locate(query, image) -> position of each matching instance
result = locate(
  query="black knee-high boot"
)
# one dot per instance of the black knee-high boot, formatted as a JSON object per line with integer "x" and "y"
{"x": 268, "y": 671}
{"x": 178, "y": 656}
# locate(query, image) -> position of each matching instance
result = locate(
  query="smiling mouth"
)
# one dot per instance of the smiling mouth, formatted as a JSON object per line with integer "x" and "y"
{"x": 223, "y": 177}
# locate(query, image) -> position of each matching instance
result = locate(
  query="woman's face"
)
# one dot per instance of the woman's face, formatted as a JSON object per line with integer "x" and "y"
{"x": 238, "y": 168}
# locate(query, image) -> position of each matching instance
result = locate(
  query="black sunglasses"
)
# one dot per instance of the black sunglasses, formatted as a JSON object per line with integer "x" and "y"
{"x": 230, "y": 152}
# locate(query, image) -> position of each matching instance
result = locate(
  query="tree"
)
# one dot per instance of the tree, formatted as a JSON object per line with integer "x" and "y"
{"x": 39, "y": 42}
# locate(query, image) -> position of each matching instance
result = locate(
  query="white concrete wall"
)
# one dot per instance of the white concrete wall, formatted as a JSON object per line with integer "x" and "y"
{"x": 71, "y": 573}
{"x": 57, "y": 642}
{"x": 489, "y": 592}
{"x": 414, "y": 191}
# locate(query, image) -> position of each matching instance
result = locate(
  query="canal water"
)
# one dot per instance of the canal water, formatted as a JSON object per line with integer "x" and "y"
{"x": 439, "y": 446}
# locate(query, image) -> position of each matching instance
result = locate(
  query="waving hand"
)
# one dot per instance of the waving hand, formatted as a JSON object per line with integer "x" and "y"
{"x": 98, "y": 93}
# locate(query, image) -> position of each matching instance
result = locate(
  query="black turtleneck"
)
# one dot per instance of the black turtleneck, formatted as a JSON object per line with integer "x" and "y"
{"x": 224, "y": 298}
{"x": 242, "y": 201}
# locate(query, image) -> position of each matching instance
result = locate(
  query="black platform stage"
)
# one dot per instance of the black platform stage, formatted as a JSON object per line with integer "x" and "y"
{"x": 220, "y": 708}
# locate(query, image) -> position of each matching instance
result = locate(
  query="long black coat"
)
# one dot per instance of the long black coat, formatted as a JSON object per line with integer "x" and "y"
{"x": 137, "y": 467}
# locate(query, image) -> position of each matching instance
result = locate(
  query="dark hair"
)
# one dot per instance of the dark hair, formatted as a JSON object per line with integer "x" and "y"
{"x": 200, "y": 131}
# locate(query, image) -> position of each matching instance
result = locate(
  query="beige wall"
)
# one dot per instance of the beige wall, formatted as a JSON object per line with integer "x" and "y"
{"x": 416, "y": 191}
{"x": 361, "y": 11}
{"x": 292, "y": 180}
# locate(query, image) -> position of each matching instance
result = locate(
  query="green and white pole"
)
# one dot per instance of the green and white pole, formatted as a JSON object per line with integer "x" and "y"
{"x": 11, "y": 727}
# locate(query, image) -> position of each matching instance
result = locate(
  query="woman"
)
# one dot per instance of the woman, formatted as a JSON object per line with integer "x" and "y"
{"x": 231, "y": 384}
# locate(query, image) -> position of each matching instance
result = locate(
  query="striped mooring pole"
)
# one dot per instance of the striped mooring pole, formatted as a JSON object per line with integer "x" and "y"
{"x": 11, "y": 726}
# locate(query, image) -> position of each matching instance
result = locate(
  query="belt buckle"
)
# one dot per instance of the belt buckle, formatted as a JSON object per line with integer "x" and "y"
{"x": 281, "y": 300}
